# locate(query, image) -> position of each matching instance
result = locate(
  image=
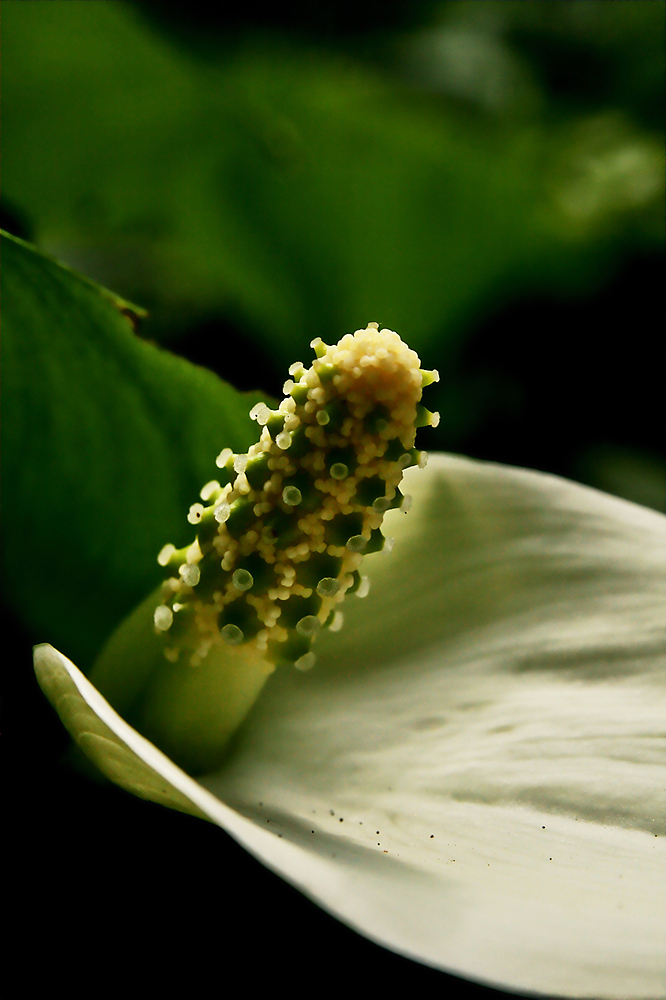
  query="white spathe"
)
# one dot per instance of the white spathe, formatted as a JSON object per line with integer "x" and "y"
{"x": 472, "y": 775}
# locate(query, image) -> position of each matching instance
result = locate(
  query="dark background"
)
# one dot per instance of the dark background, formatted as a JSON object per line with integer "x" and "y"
{"x": 541, "y": 289}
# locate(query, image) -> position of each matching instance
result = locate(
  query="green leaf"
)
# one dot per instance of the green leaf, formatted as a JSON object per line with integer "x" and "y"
{"x": 107, "y": 440}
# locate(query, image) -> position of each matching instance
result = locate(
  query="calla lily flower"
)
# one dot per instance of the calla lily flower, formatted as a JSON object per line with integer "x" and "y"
{"x": 470, "y": 775}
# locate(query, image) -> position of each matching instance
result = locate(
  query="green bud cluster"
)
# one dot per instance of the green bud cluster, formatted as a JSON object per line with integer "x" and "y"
{"x": 282, "y": 530}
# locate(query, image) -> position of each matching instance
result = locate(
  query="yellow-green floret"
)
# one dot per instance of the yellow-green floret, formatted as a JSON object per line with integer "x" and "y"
{"x": 283, "y": 530}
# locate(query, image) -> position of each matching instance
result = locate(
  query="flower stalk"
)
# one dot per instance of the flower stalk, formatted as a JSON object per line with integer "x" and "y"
{"x": 281, "y": 535}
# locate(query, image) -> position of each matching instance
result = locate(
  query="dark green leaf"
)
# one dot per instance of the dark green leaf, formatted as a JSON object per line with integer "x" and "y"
{"x": 107, "y": 440}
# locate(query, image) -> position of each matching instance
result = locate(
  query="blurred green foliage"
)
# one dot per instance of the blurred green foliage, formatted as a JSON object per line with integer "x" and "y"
{"x": 257, "y": 178}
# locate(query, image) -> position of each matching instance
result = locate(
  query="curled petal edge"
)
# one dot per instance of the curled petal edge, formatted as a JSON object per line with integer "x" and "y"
{"x": 133, "y": 762}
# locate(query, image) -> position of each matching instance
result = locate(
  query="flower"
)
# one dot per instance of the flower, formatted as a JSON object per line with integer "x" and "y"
{"x": 470, "y": 774}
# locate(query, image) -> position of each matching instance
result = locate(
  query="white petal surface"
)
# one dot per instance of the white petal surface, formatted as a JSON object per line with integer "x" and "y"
{"x": 471, "y": 774}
